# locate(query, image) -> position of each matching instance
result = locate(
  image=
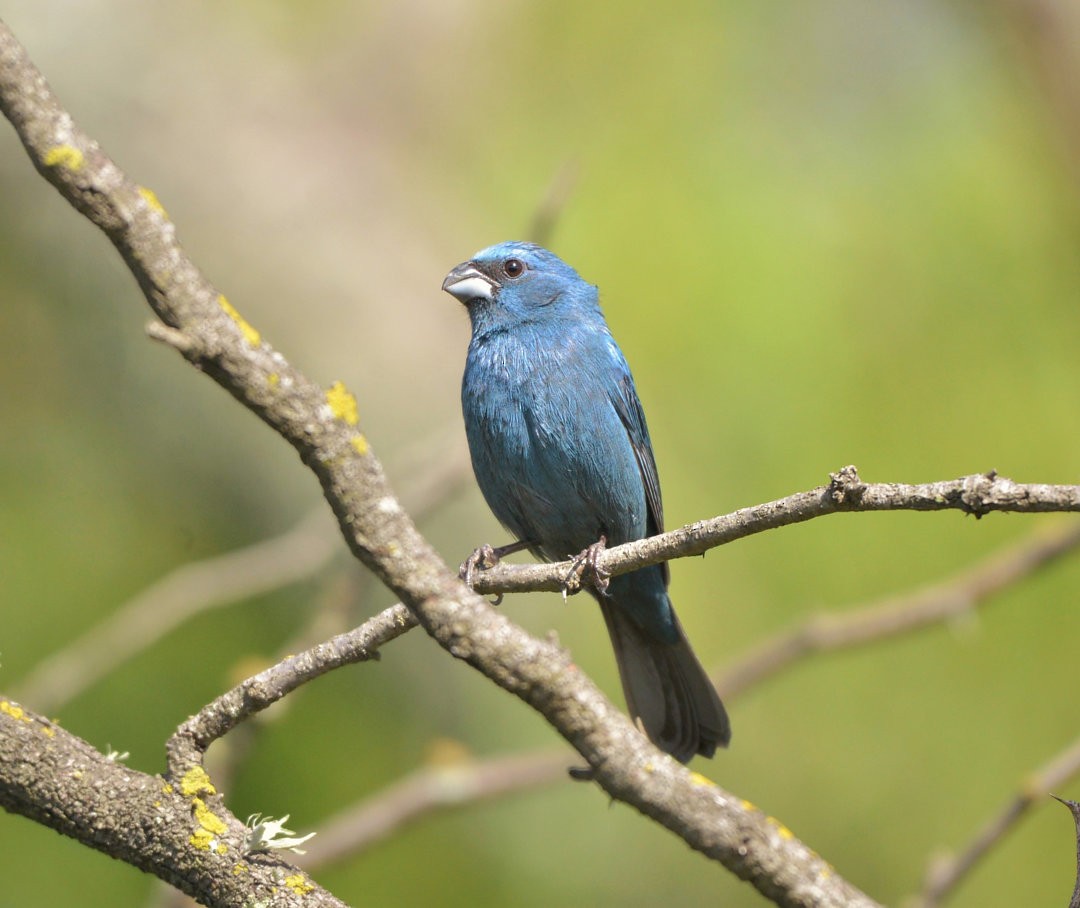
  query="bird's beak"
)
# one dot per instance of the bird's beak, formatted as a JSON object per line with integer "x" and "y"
{"x": 468, "y": 283}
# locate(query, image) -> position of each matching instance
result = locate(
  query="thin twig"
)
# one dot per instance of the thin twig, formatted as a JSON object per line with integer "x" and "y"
{"x": 201, "y": 586}
{"x": 902, "y": 614}
{"x": 945, "y": 874}
{"x": 429, "y": 789}
{"x": 1074, "y": 809}
{"x": 435, "y": 478}
{"x": 176, "y": 598}
{"x": 264, "y": 689}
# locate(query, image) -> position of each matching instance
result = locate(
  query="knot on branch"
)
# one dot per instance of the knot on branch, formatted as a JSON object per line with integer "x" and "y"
{"x": 978, "y": 491}
{"x": 845, "y": 487}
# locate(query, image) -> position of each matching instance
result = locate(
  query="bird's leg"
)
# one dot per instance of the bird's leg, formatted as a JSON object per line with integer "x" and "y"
{"x": 587, "y": 564}
{"x": 487, "y": 557}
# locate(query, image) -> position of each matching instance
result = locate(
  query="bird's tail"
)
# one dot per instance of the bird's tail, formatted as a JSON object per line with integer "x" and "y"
{"x": 664, "y": 684}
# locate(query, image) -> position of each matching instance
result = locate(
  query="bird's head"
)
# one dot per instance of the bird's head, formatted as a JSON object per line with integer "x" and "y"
{"x": 519, "y": 282}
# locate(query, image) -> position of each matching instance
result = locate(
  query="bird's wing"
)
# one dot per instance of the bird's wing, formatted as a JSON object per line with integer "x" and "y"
{"x": 628, "y": 407}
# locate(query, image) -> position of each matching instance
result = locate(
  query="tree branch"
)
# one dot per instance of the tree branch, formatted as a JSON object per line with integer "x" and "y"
{"x": 430, "y": 788}
{"x": 177, "y": 597}
{"x": 186, "y": 747}
{"x": 435, "y": 788}
{"x": 978, "y": 494}
{"x": 945, "y": 874}
{"x": 178, "y": 831}
{"x": 901, "y": 614}
{"x": 201, "y": 586}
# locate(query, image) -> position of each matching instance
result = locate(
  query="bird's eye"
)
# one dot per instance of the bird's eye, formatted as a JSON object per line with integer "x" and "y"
{"x": 513, "y": 267}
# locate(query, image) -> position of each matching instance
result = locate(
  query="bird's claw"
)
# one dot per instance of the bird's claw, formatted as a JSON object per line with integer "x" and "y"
{"x": 481, "y": 559}
{"x": 586, "y": 566}
{"x": 487, "y": 557}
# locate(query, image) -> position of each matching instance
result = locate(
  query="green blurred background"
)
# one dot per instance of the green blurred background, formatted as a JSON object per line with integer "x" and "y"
{"x": 824, "y": 233}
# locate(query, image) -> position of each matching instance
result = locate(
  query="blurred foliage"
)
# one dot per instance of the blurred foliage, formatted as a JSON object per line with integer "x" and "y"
{"x": 825, "y": 234}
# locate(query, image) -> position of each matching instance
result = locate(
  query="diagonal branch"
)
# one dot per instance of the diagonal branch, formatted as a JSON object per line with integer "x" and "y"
{"x": 436, "y": 788}
{"x": 946, "y": 874}
{"x": 901, "y": 614}
{"x": 177, "y": 597}
{"x": 424, "y": 791}
{"x": 197, "y": 587}
{"x": 264, "y": 689}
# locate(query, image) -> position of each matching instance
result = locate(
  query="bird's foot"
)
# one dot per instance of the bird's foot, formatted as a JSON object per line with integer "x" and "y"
{"x": 485, "y": 557}
{"x": 586, "y": 566}
{"x": 481, "y": 559}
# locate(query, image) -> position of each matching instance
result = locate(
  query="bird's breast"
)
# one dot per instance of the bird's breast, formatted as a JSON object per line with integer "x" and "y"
{"x": 549, "y": 452}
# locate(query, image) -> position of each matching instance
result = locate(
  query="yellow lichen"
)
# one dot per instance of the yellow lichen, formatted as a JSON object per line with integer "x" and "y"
{"x": 14, "y": 710}
{"x": 64, "y": 156}
{"x": 698, "y": 779}
{"x": 342, "y": 404}
{"x": 251, "y": 335}
{"x": 211, "y": 828}
{"x": 207, "y": 819}
{"x": 749, "y": 805}
{"x": 240, "y": 868}
{"x": 273, "y": 379}
{"x": 196, "y": 781}
{"x": 784, "y": 832}
{"x": 153, "y": 201}
{"x": 299, "y": 884}
{"x": 202, "y": 839}
{"x": 48, "y": 732}
{"x": 359, "y": 444}
{"x": 167, "y": 788}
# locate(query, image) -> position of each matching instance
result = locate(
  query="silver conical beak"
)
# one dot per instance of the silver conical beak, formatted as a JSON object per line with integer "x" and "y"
{"x": 468, "y": 283}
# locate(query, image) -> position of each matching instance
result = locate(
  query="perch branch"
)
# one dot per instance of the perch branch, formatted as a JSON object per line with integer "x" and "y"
{"x": 978, "y": 494}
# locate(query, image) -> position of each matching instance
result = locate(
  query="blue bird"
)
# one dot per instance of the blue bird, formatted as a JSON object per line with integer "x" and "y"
{"x": 562, "y": 455}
